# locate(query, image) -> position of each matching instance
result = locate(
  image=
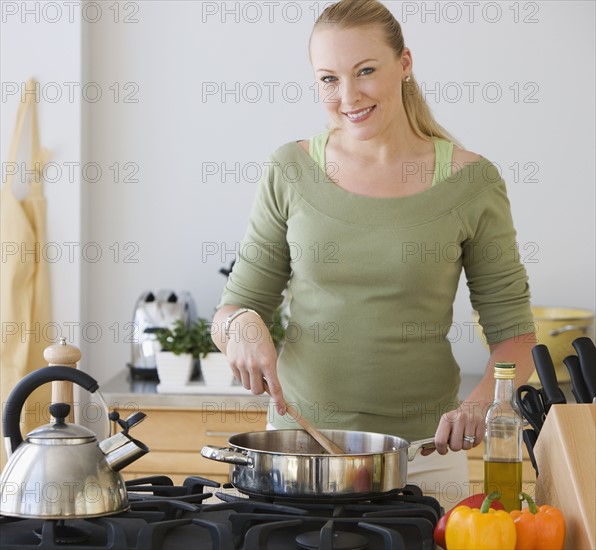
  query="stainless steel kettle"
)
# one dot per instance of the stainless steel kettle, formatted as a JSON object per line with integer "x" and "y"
{"x": 61, "y": 470}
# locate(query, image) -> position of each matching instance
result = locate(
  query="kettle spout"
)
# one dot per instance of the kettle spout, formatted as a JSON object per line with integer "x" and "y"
{"x": 122, "y": 450}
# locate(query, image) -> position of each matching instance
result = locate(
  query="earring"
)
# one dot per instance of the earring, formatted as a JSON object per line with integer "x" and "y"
{"x": 408, "y": 78}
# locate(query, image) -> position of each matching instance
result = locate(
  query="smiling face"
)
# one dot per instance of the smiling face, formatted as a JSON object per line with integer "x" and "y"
{"x": 360, "y": 79}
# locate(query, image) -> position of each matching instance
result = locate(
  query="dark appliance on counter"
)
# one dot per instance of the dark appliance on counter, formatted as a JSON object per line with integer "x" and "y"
{"x": 165, "y": 516}
{"x": 154, "y": 311}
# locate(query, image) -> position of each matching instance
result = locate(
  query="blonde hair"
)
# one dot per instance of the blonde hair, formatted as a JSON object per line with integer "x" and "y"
{"x": 348, "y": 14}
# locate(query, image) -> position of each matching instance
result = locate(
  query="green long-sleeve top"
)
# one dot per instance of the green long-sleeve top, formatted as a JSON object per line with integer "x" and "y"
{"x": 372, "y": 283}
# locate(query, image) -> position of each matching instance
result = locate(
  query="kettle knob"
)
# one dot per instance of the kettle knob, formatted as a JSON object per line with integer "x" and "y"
{"x": 59, "y": 411}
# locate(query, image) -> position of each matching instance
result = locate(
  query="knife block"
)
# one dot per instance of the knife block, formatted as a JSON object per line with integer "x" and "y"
{"x": 566, "y": 458}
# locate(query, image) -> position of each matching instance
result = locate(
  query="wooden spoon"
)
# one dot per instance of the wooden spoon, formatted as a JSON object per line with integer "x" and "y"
{"x": 322, "y": 440}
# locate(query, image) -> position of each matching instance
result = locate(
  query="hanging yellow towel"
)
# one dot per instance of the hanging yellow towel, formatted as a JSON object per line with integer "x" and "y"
{"x": 24, "y": 282}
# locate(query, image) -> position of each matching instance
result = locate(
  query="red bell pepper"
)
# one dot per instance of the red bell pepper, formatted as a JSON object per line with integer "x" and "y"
{"x": 474, "y": 501}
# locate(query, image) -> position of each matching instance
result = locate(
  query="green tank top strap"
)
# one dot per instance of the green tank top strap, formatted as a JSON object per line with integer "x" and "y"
{"x": 443, "y": 155}
{"x": 316, "y": 148}
{"x": 443, "y": 160}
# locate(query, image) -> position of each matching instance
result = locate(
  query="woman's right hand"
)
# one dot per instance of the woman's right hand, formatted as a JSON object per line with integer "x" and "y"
{"x": 252, "y": 357}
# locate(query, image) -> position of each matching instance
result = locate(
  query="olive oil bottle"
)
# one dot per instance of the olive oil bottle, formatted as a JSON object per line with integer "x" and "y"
{"x": 503, "y": 441}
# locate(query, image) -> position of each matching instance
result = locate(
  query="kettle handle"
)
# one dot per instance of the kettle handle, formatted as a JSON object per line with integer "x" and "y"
{"x": 19, "y": 394}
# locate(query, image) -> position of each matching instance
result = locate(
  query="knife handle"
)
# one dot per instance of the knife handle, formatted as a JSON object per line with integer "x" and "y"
{"x": 545, "y": 368}
{"x": 586, "y": 352}
{"x": 530, "y": 438}
{"x": 578, "y": 386}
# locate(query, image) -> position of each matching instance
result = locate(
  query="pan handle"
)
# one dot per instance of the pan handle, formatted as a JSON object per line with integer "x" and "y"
{"x": 568, "y": 328}
{"x": 225, "y": 454}
{"x": 420, "y": 445}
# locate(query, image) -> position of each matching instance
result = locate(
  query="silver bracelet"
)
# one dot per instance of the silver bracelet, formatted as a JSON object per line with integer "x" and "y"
{"x": 233, "y": 316}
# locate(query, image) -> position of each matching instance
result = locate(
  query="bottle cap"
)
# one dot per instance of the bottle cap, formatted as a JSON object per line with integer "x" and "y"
{"x": 505, "y": 371}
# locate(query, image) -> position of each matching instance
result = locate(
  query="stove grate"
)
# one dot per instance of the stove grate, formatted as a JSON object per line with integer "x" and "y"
{"x": 164, "y": 516}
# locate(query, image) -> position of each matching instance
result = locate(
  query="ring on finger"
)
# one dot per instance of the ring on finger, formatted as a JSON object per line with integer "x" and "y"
{"x": 469, "y": 438}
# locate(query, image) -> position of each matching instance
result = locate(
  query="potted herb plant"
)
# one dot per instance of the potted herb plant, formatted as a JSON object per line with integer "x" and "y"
{"x": 181, "y": 345}
{"x": 184, "y": 343}
{"x": 215, "y": 369}
{"x": 277, "y": 328}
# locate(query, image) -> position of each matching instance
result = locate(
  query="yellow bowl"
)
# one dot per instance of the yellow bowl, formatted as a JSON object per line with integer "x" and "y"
{"x": 557, "y": 328}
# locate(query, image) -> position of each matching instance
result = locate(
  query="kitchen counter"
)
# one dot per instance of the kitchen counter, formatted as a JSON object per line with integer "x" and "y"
{"x": 125, "y": 393}
{"x": 123, "y": 388}
{"x": 179, "y": 424}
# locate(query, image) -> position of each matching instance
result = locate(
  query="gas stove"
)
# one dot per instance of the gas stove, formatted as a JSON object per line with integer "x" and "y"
{"x": 202, "y": 514}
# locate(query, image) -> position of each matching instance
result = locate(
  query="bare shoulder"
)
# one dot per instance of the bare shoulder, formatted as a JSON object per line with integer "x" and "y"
{"x": 461, "y": 157}
{"x": 304, "y": 144}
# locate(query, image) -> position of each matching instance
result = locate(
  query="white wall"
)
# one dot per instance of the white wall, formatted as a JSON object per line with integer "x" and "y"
{"x": 44, "y": 42}
{"x": 167, "y": 55}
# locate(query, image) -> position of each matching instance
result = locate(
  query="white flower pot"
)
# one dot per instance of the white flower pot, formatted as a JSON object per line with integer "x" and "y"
{"x": 173, "y": 370}
{"x": 215, "y": 370}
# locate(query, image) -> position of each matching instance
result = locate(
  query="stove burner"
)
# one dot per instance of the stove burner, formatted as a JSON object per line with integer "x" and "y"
{"x": 164, "y": 515}
{"x": 62, "y": 533}
{"x": 340, "y": 541}
{"x": 405, "y": 492}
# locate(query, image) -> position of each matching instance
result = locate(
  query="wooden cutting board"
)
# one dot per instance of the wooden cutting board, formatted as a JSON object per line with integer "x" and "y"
{"x": 566, "y": 458}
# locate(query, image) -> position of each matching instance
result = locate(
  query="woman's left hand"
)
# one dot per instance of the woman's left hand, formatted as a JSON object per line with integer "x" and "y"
{"x": 461, "y": 428}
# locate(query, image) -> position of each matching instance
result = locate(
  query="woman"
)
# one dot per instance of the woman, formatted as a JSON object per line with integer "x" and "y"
{"x": 370, "y": 224}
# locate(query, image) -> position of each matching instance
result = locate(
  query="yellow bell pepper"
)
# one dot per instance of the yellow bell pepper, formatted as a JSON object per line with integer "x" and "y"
{"x": 484, "y": 529}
